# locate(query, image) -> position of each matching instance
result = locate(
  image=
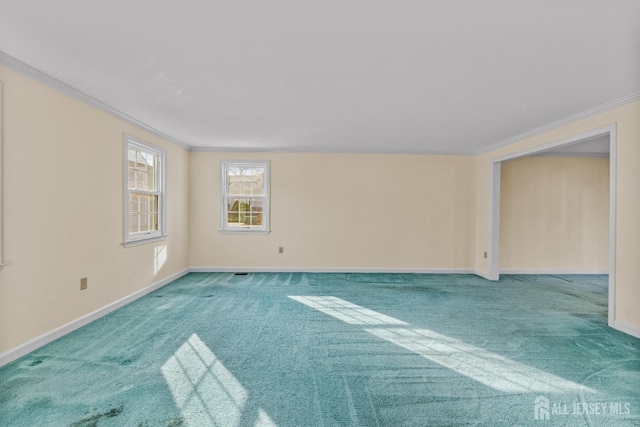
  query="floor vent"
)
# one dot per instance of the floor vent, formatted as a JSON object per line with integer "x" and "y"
{"x": 240, "y": 274}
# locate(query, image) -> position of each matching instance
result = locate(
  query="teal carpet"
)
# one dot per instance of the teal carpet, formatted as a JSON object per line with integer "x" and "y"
{"x": 338, "y": 350}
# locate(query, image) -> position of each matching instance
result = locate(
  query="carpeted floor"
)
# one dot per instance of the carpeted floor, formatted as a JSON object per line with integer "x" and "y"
{"x": 338, "y": 350}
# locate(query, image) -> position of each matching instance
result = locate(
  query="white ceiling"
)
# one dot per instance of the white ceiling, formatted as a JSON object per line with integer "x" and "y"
{"x": 411, "y": 76}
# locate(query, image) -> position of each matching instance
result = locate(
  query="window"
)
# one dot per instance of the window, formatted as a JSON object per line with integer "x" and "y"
{"x": 144, "y": 195}
{"x": 245, "y": 197}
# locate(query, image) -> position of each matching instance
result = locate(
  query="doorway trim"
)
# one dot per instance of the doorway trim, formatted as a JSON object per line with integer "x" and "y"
{"x": 494, "y": 214}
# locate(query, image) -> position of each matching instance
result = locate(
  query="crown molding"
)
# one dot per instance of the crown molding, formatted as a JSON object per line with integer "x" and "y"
{"x": 34, "y": 73}
{"x": 29, "y": 71}
{"x": 572, "y": 155}
{"x": 201, "y": 149}
{"x": 616, "y": 103}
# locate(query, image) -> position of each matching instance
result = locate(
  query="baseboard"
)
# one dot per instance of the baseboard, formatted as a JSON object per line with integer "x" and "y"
{"x": 56, "y": 333}
{"x": 482, "y": 274}
{"x": 558, "y": 271}
{"x": 330, "y": 270}
{"x": 627, "y": 329}
{"x": 34, "y": 344}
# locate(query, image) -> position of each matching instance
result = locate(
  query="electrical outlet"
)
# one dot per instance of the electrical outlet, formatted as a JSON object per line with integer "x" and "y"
{"x": 485, "y": 254}
{"x": 83, "y": 283}
{"x": 281, "y": 249}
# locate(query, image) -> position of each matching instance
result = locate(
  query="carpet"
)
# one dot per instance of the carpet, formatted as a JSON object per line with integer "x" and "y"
{"x": 297, "y": 349}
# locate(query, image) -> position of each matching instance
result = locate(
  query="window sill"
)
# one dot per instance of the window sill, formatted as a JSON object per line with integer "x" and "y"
{"x": 243, "y": 231}
{"x": 144, "y": 240}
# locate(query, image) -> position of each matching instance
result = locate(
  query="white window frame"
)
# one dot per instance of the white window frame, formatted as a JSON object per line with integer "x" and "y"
{"x": 224, "y": 227}
{"x": 132, "y": 239}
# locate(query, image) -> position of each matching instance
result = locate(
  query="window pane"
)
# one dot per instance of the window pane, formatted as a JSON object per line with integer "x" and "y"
{"x": 235, "y": 207}
{"x": 141, "y": 160}
{"x": 143, "y": 203}
{"x": 131, "y": 176}
{"x": 134, "y": 203}
{"x": 235, "y": 189}
{"x": 146, "y": 203}
{"x": 245, "y": 181}
{"x": 145, "y": 220}
{"x": 154, "y": 203}
{"x": 258, "y": 177}
{"x": 141, "y": 170}
{"x": 150, "y": 161}
{"x": 134, "y": 226}
{"x": 244, "y": 212}
{"x": 150, "y": 179}
{"x": 141, "y": 180}
{"x": 257, "y": 189}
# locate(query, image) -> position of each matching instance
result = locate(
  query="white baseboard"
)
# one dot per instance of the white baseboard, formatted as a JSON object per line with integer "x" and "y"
{"x": 482, "y": 274}
{"x": 29, "y": 346}
{"x": 56, "y": 333}
{"x": 34, "y": 344}
{"x": 626, "y": 328}
{"x": 547, "y": 271}
{"x": 329, "y": 270}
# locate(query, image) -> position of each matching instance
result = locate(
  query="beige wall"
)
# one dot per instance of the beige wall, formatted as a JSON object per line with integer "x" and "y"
{"x": 344, "y": 211}
{"x": 627, "y": 236}
{"x": 554, "y": 214}
{"x": 62, "y": 212}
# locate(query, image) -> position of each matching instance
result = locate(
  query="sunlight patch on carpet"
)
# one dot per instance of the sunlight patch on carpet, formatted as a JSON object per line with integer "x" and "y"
{"x": 495, "y": 371}
{"x": 492, "y": 370}
{"x": 204, "y": 389}
{"x": 346, "y": 311}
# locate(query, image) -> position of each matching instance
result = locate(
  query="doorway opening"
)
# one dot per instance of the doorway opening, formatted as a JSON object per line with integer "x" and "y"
{"x": 570, "y": 144}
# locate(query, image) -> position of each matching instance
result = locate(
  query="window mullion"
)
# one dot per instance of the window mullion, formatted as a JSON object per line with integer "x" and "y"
{"x": 155, "y": 193}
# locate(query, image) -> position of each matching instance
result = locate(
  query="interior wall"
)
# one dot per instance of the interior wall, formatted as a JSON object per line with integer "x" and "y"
{"x": 554, "y": 214}
{"x": 627, "y": 235}
{"x": 343, "y": 211}
{"x": 63, "y": 212}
